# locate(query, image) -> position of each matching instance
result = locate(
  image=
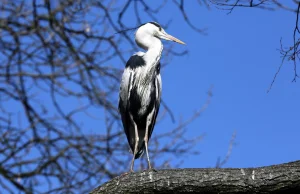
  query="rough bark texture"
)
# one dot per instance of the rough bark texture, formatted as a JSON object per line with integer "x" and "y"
{"x": 283, "y": 178}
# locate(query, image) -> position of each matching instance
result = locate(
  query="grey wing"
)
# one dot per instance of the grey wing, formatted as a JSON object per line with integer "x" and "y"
{"x": 158, "y": 87}
{"x": 125, "y": 106}
{"x": 125, "y": 87}
{"x": 128, "y": 76}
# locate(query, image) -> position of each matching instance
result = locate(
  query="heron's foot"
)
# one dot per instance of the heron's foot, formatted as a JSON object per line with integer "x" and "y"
{"x": 124, "y": 174}
{"x": 131, "y": 171}
{"x": 152, "y": 170}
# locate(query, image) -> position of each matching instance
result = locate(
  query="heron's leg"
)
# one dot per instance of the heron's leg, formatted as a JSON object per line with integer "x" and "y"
{"x": 136, "y": 142}
{"x": 146, "y": 138}
{"x": 146, "y": 146}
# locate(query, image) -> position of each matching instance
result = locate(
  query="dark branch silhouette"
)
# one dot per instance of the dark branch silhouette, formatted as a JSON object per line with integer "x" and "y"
{"x": 283, "y": 178}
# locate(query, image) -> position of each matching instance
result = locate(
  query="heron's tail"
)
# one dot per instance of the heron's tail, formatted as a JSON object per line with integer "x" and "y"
{"x": 140, "y": 153}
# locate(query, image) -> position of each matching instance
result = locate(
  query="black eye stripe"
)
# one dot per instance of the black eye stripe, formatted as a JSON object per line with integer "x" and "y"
{"x": 156, "y": 24}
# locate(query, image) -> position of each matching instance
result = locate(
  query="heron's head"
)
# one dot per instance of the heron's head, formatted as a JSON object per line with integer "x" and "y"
{"x": 152, "y": 29}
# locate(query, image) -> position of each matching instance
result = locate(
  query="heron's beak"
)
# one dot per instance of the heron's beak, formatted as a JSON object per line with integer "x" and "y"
{"x": 172, "y": 38}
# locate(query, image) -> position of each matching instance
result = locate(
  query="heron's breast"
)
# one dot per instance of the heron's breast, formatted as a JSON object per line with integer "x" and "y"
{"x": 146, "y": 97}
{"x": 145, "y": 91}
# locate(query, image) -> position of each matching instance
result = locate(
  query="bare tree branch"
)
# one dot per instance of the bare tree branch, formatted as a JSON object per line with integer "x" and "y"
{"x": 61, "y": 64}
{"x": 289, "y": 53}
{"x": 283, "y": 178}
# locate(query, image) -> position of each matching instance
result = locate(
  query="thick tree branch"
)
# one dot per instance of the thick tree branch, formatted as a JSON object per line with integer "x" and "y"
{"x": 283, "y": 178}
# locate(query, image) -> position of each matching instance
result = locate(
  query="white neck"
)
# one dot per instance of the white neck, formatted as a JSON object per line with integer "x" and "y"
{"x": 154, "y": 49}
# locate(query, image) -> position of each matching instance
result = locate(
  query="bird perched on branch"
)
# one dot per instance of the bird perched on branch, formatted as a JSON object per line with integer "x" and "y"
{"x": 140, "y": 89}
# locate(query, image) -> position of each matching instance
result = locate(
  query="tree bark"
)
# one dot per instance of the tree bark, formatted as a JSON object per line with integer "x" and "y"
{"x": 282, "y": 178}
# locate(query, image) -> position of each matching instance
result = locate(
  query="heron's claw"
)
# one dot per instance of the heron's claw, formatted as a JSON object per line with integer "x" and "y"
{"x": 125, "y": 173}
{"x": 151, "y": 169}
{"x": 131, "y": 171}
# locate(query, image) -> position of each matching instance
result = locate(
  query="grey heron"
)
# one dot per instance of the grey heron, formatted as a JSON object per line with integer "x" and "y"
{"x": 140, "y": 89}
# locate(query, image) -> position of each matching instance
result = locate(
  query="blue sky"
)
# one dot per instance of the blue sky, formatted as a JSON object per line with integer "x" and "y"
{"x": 239, "y": 57}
